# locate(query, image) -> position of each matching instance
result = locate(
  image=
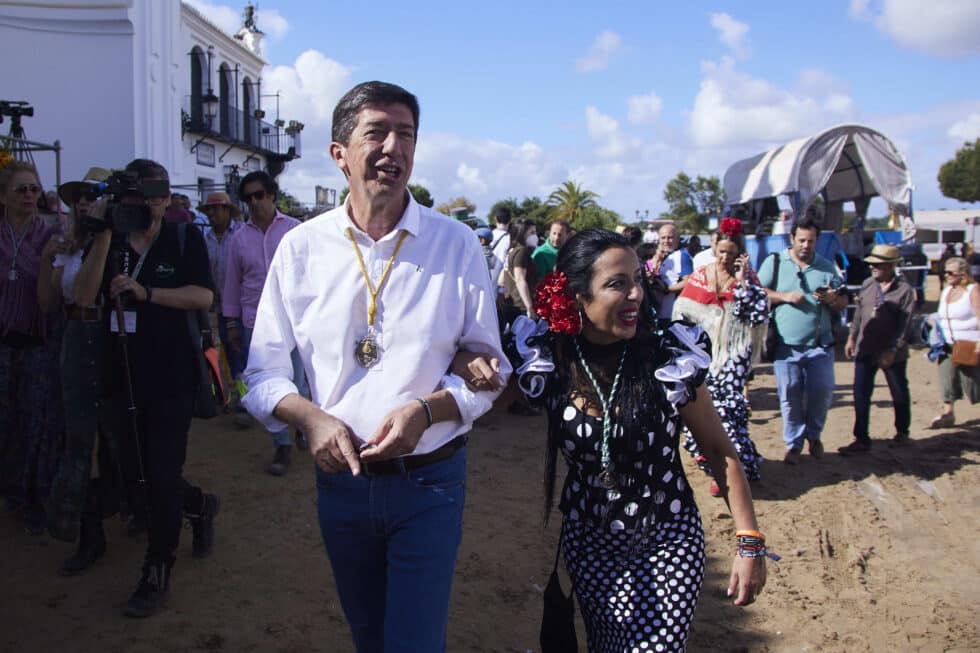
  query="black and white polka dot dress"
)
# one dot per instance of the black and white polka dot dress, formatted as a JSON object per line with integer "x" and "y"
{"x": 726, "y": 381}
{"x": 635, "y": 554}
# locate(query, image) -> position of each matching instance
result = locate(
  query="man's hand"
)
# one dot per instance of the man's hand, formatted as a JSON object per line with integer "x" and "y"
{"x": 478, "y": 370}
{"x": 331, "y": 444}
{"x": 124, "y": 283}
{"x": 849, "y": 348}
{"x": 398, "y": 434}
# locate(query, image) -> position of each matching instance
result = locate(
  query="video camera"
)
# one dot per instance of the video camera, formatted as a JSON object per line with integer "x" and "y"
{"x": 15, "y": 109}
{"x": 122, "y": 218}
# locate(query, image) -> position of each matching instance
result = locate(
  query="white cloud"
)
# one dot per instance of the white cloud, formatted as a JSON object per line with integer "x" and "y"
{"x": 946, "y": 28}
{"x": 967, "y": 129}
{"x": 469, "y": 179}
{"x": 732, "y": 33}
{"x": 230, "y": 20}
{"x": 485, "y": 170}
{"x": 606, "y": 45}
{"x": 644, "y": 109}
{"x": 734, "y": 108}
{"x": 310, "y": 87}
{"x": 604, "y": 131}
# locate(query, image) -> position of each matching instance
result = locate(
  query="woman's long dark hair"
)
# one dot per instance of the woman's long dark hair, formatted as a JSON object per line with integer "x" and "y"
{"x": 519, "y": 230}
{"x": 638, "y": 388}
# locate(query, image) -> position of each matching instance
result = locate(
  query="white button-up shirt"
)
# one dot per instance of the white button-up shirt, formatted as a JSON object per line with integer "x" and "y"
{"x": 437, "y": 300}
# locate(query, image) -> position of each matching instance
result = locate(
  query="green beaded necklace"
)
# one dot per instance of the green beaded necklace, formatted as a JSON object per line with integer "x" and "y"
{"x": 606, "y": 476}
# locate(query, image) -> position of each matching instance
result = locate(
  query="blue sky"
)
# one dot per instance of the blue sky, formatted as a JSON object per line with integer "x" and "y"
{"x": 517, "y": 97}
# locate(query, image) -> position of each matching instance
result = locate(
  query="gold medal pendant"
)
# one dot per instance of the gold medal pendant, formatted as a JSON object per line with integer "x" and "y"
{"x": 366, "y": 350}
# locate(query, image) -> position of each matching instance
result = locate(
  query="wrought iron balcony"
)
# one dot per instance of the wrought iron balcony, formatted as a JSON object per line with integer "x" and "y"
{"x": 239, "y": 128}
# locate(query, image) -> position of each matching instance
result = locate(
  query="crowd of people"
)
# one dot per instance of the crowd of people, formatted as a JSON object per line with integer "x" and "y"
{"x": 633, "y": 347}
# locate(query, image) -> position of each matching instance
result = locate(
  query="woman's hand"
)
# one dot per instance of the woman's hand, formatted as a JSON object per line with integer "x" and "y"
{"x": 741, "y": 265}
{"x": 56, "y": 245}
{"x": 748, "y": 579}
{"x": 480, "y": 371}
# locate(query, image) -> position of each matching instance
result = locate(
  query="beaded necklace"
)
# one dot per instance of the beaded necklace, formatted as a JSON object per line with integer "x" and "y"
{"x": 606, "y": 476}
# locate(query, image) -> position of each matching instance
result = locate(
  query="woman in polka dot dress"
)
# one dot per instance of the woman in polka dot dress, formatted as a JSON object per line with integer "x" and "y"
{"x": 615, "y": 390}
{"x": 725, "y": 299}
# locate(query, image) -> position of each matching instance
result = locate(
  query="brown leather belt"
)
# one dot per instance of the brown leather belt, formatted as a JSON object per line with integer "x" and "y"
{"x": 409, "y": 463}
{"x": 84, "y": 314}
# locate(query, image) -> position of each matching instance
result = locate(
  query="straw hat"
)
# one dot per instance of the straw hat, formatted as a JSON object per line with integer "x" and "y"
{"x": 884, "y": 254}
{"x": 68, "y": 192}
{"x": 220, "y": 198}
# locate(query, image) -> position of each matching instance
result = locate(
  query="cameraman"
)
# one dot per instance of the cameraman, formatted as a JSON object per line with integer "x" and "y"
{"x": 139, "y": 259}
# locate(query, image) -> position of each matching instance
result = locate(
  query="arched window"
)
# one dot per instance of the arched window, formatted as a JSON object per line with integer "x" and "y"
{"x": 199, "y": 62}
{"x": 226, "y": 101}
{"x": 249, "y": 105}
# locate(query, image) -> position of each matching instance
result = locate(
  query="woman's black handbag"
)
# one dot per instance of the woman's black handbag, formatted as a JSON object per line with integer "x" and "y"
{"x": 558, "y": 617}
{"x": 772, "y": 335}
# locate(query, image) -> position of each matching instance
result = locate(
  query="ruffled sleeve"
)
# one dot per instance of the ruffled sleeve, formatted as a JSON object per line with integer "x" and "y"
{"x": 689, "y": 356}
{"x": 531, "y": 356}
{"x": 751, "y": 304}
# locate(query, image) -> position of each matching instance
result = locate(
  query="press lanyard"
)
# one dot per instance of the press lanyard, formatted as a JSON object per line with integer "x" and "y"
{"x": 374, "y": 291}
{"x": 142, "y": 258}
{"x": 17, "y": 242}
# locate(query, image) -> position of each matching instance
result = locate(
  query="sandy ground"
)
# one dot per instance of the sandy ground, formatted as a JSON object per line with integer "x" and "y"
{"x": 880, "y": 553}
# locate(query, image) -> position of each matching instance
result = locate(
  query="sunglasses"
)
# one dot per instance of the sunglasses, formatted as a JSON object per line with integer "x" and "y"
{"x": 24, "y": 189}
{"x": 258, "y": 196}
{"x": 951, "y": 273}
{"x": 878, "y": 265}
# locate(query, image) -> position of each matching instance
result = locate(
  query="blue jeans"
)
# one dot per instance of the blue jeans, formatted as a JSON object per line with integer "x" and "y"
{"x": 805, "y": 379}
{"x": 392, "y": 542}
{"x": 279, "y": 438}
{"x": 864, "y": 384}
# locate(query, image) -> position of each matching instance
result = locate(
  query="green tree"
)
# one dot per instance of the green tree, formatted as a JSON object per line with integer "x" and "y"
{"x": 692, "y": 201}
{"x": 288, "y": 204}
{"x": 596, "y": 217}
{"x": 421, "y": 194}
{"x": 457, "y": 202}
{"x": 959, "y": 178}
{"x": 343, "y": 195}
{"x": 570, "y": 199}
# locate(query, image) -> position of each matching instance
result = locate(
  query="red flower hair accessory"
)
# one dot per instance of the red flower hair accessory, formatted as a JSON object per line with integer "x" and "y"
{"x": 556, "y": 306}
{"x": 731, "y": 227}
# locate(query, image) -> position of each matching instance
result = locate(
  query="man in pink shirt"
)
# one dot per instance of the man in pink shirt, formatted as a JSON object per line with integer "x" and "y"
{"x": 252, "y": 247}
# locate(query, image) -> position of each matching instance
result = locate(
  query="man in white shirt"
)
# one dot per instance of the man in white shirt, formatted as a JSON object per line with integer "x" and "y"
{"x": 706, "y": 256}
{"x": 500, "y": 243}
{"x": 377, "y": 296}
{"x": 672, "y": 266}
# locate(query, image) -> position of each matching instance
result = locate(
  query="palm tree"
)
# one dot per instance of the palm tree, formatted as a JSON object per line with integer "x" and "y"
{"x": 570, "y": 199}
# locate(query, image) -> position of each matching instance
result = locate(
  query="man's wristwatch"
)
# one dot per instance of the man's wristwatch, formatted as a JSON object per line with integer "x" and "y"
{"x": 149, "y": 293}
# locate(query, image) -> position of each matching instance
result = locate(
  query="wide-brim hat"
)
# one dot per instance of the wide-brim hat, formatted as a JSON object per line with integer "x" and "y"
{"x": 884, "y": 254}
{"x": 68, "y": 191}
{"x": 220, "y": 198}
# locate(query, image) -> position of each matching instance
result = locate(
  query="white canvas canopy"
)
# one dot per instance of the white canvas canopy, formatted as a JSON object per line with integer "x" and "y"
{"x": 847, "y": 163}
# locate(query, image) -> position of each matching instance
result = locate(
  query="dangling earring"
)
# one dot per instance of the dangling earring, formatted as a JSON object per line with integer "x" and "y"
{"x": 581, "y": 322}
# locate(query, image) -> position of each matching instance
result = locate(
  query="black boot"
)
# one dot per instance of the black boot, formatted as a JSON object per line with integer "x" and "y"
{"x": 91, "y": 537}
{"x": 202, "y": 526}
{"x": 152, "y": 591}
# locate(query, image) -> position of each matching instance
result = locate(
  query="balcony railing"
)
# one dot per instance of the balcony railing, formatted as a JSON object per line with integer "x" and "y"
{"x": 235, "y": 126}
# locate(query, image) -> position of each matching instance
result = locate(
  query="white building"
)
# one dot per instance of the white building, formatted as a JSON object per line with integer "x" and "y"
{"x": 113, "y": 80}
